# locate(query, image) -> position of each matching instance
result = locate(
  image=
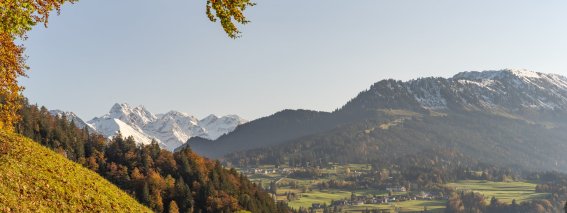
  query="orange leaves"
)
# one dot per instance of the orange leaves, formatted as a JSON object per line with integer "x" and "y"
{"x": 156, "y": 181}
{"x": 136, "y": 175}
{"x": 200, "y": 164}
{"x": 222, "y": 201}
{"x": 3, "y": 148}
{"x": 12, "y": 66}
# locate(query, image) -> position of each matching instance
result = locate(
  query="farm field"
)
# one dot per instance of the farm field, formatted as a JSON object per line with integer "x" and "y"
{"x": 503, "y": 191}
{"x": 309, "y": 198}
{"x": 406, "y": 206}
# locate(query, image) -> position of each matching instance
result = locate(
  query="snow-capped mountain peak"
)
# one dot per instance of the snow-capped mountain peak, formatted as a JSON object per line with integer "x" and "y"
{"x": 209, "y": 119}
{"x": 525, "y": 73}
{"x": 170, "y": 129}
{"x": 132, "y": 115}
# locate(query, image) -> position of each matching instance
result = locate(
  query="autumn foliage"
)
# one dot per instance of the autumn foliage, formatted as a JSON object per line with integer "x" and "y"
{"x": 11, "y": 67}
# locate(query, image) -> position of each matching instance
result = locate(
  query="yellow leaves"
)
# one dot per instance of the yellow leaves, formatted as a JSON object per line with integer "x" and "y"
{"x": 228, "y": 11}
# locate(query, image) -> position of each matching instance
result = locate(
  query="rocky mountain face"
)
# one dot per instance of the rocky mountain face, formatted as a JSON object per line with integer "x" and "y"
{"x": 505, "y": 117}
{"x": 170, "y": 130}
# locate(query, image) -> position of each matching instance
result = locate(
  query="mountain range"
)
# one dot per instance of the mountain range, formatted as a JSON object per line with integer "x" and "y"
{"x": 511, "y": 117}
{"x": 170, "y": 130}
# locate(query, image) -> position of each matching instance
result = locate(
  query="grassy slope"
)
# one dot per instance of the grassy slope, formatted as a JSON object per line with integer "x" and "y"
{"x": 36, "y": 179}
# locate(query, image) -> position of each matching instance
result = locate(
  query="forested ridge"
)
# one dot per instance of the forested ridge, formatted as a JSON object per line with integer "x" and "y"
{"x": 392, "y": 134}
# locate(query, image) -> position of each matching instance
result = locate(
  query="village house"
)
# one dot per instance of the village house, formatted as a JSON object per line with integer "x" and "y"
{"x": 396, "y": 189}
{"x": 339, "y": 203}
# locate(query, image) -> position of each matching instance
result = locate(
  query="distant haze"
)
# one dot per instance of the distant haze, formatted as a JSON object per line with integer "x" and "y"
{"x": 313, "y": 54}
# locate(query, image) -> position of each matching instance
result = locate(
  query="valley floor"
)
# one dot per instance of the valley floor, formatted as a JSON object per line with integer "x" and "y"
{"x": 307, "y": 193}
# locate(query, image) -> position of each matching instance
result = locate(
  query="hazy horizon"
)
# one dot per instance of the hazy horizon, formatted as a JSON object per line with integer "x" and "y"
{"x": 292, "y": 55}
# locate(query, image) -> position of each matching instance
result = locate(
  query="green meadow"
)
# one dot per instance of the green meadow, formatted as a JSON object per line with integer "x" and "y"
{"x": 503, "y": 191}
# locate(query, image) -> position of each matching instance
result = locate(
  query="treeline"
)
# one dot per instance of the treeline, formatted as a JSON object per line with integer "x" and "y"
{"x": 430, "y": 168}
{"x": 549, "y": 182}
{"x": 162, "y": 180}
{"x": 471, "y": 202}
{"x": 554, "y": 183}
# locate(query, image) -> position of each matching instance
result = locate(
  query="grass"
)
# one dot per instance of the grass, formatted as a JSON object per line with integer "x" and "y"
{"x": 503, "y": 191}
{"x": 318, "y": 197}
{"x": 36, "y": 179}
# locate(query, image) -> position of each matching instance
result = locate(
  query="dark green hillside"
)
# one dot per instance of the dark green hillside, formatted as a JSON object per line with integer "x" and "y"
{"x": 488, "y": 138}
{"x": 36, "y": 179}
{"x": 267, "y": 131}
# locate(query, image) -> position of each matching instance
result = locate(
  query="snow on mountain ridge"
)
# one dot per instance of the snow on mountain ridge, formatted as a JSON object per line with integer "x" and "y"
{"x": 216, "y": 127}
{"x": 71, "y": 117}
{"x": 498, "y": 74}
{"x": 110, "y": 127}
{"x": 170, "y": 129}
{"x": 508, "y": 89}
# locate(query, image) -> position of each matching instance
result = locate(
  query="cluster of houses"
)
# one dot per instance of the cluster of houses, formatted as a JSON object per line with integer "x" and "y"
{"x": 266, "y": 171}
{"x": 361, "y": 200}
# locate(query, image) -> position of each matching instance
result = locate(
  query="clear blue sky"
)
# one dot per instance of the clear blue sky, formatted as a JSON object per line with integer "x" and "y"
{"x": 311, "y": 54}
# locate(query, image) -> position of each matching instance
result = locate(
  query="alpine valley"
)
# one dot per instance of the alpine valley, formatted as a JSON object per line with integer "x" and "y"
{"x": 425, "y": 145}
